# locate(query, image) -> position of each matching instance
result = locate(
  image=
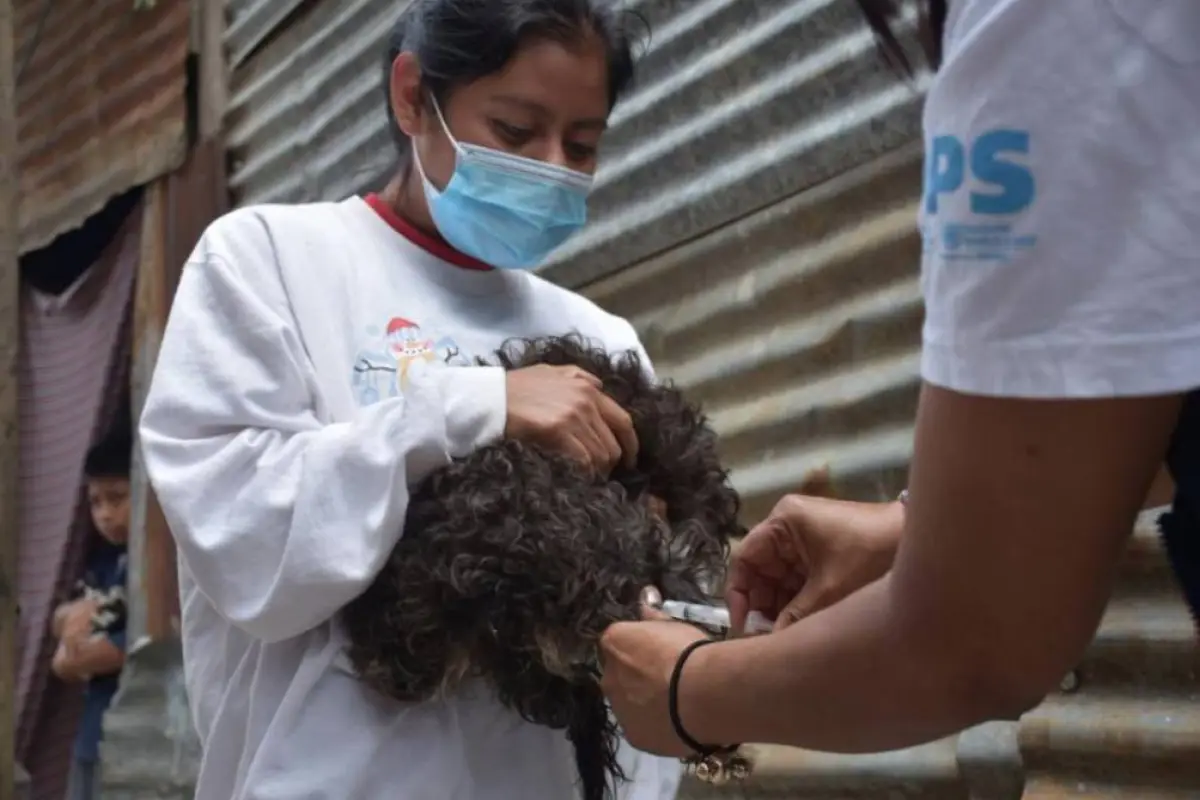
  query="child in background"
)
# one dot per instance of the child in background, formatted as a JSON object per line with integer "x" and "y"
{"x": 91, "y": 626}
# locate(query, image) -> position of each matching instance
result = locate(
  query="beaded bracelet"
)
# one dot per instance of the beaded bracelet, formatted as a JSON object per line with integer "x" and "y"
{"x": 715, "y": 764}
{"x": 673, "y": 701}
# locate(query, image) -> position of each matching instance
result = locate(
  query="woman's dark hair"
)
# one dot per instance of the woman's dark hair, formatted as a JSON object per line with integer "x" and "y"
{"x": 881, "y": 14}
{"x": 460, "y": 41}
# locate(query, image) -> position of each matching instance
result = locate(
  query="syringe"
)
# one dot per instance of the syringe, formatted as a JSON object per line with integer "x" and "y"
{"x": 713, "y": 616}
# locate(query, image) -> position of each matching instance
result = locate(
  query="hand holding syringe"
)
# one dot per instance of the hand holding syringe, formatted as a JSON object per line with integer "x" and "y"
{"x": 708, "y": 616}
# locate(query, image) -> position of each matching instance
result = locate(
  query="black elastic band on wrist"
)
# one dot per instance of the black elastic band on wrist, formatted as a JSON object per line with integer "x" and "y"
{"x": 703, "y": 750}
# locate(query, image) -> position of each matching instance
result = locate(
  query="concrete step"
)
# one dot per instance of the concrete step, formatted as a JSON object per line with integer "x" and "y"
{"x": 1145, "y": 569}
{"x": 921, "y": 773}
{"x": 1050, "y": 788}
{"x": 1115, "y": 740}
{"x": 1145, "y": 645}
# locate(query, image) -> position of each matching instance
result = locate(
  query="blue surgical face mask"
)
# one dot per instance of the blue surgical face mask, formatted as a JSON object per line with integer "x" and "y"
{"x": 505, "y": 210}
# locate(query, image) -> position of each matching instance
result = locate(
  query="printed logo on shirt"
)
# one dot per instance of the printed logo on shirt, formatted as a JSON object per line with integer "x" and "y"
{"x": 107, "y": 591}
{"x": 991, "y": 170}
{"x": 396, "y": 352}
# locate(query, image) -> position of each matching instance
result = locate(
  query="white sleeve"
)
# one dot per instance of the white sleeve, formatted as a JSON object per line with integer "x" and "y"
{"x": 635, "y": 346}
{"x": 280, "y": 519}
{"x": 1061, "y": 213}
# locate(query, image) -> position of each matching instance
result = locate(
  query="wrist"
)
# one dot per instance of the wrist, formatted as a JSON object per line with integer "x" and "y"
{"x": 707, "y": 693}
{"x": 885, "y": 537}
{"x": 476, "y": 407}
{"x": 691, "y": 696}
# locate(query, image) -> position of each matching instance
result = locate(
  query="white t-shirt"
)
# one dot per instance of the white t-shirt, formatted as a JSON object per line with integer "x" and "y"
{"x": 302, "y": 385}
{"x": 1061, "y": 213}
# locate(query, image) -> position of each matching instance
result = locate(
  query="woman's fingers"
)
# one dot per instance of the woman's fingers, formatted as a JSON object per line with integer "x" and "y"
{"x": 618, "y": 421}
{"x": 578, "y": 451}
{"x": 609, "y": 449}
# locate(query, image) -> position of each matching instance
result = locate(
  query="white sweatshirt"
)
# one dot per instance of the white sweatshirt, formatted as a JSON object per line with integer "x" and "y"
{"x": 314, "y": 367}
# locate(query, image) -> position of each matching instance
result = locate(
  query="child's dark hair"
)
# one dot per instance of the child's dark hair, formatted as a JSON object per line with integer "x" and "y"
{"x": 111, "y": 457}
{"x": 881, "y": 14}
{"x": 457, "y": 42}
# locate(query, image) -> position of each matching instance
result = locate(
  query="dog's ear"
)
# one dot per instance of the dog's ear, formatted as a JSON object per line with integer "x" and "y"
{"x": 818, "y": 483}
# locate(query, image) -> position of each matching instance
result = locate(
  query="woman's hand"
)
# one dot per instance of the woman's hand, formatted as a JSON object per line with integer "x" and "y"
{"x": 65, "y": 664}
{"x": 565, "y": 409}
{"x": 60, "y": 665}
{"x": 808, "y": 554}
{"x": 637, "y": 659}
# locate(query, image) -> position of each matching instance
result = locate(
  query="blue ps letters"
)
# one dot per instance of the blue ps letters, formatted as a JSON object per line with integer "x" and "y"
{"x": 1002, "y": 186}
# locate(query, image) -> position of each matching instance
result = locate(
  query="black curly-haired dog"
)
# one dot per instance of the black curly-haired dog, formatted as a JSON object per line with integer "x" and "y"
{"x": 514, "y": 560}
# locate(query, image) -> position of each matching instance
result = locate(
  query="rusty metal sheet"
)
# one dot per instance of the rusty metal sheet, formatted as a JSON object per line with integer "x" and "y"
{"x": 252, "y": 22}
{"x": 306, "y": 115}
{"x": 101, "y": 105}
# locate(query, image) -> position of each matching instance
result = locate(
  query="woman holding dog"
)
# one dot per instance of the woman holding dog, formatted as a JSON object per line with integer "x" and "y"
{"x": 319, "y": 360}
{"x": 1061, "y": 364}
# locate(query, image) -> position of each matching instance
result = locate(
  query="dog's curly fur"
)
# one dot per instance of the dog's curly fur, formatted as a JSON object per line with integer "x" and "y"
{"x": 515, "y": 560}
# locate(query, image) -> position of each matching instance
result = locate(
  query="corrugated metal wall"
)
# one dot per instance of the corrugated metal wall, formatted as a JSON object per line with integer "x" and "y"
{"x": 306, "y": 114}
{"x": 740, "y": 104}
{"x": 101, "y": 105}
{"x": 755, "y": 219}
{"x": 798, "y": 330}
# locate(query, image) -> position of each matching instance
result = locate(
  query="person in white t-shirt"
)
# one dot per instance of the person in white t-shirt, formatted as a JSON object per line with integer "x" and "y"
{"x": 1061, "y": 361}
{"x": 318, "y": 361}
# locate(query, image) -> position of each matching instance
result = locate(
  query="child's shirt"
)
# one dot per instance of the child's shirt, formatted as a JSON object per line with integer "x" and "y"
{"x": 103, "y": 582}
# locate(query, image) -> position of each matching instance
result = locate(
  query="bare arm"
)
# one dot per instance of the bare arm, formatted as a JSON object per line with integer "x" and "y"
{"x": 85, "y": 658}
{"x": 1018, "y": 517}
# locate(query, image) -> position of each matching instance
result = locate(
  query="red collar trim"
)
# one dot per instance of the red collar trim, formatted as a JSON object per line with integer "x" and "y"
{"x": 431, "y": 244}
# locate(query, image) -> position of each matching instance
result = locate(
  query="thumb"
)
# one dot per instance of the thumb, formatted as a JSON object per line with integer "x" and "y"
{"x": 651, "y": 613}
{"x": 810, "y": 599}
{"x": 817, "y": 483}
{"x": 739, "y": 608}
